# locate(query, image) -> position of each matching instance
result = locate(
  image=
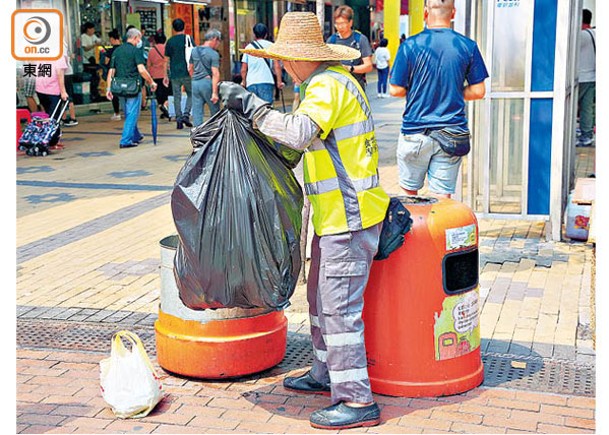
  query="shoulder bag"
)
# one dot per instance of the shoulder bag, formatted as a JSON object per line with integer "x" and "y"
{"x": 125, "y": 86}
{"x": 454, "y": 144}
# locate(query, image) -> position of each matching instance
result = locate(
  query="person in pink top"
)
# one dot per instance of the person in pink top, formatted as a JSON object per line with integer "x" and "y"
{"x": 156, "y": 67}
{"x": 50, "y": 83}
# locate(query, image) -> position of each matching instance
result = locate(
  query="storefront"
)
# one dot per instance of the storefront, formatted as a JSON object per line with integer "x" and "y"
{"x": 234, "y": 18}
{"x": 523, "y": 132}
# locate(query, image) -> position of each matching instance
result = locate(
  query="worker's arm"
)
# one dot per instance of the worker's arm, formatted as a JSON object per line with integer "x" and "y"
{"x": 474, "y": 92}
{"x": 294, "y": 131}
{"x": 397, "y": 91}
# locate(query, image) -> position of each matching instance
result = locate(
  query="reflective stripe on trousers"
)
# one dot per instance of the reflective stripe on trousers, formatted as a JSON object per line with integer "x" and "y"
{"x": 340, "y": 266}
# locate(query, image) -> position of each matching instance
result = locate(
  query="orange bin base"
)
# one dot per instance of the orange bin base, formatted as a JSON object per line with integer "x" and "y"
{"x": 446, "y": 387}
{"x": 220, "y": 348}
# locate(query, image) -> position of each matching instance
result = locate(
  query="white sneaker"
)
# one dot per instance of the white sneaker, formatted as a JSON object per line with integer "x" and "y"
{"x": 379, "y": 95}
{"x": 116, "y": 117}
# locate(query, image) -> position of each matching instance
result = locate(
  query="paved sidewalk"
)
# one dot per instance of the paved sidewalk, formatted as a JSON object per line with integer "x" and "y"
{"x": 89, "y": 221}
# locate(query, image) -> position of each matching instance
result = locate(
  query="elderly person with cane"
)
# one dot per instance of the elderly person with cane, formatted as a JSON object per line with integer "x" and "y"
{"x": 333, "y": 125}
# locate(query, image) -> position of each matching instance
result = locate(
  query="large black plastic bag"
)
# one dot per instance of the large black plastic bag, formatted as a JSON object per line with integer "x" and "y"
{"x": 237, "y": 209}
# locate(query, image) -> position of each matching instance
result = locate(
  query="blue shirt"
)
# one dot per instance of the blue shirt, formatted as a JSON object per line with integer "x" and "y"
{"x": 434, "y": 66}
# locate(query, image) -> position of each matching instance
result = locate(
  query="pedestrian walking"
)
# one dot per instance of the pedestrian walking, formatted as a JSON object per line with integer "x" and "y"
{"x": 333, "y": 122}
{"x": 176, "y": 69}
{"x": 382, "y": 67}
{"x": 345, "y": 35}
{"x": 430, "y": 69}
{"x": 260, "y": 75}
{"x": 156, "y": 67}
{"x": 127, "y": 63}
{"x": 205, "y": 71}
{"x": 115, "y": 41}
{"x": 50, "y": 84}
{"x": 587, "y": 81}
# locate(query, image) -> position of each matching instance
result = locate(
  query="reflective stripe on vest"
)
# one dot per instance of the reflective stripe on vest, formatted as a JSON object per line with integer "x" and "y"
{"x": 331, "y": 184}
{"x": 348, "y": 187}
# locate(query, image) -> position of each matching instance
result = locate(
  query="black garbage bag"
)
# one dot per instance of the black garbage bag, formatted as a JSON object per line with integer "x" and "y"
{"x": 396, "y": 224}
{"x": 237, "y": 209}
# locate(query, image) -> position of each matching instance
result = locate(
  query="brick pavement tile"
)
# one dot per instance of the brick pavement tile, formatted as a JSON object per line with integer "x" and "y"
{"x": 222, "y": 402}
{"x": 474, "y": 428}
{"x": 581, "y": 402}
{"x": 582, "y": 423}
{"x": 409, "y": 420}
{"x": 254, "y": 416}
{"x": 38, "y": 429}
{"x": 481, "y": 410}
{"x": 456, "y": 416}
{"x": 551, "y": 428}
{"x": 41, "y": 419}
{"x": 492, "y": 420}
{"x": 385, "y": 428}
{"x": 213, "y": 423}
{"x": 552, "y": 399}
{"x": 29, "y": 408}
{"x": 518, "y": 431}
{"x": 174, "y": 429}
{"x": 201, "y": 411}
{"x": 567, "y": 411}
{"x": 169, "y": 418}
{"x": 75, "y": 411}
{"x": 511, "y": 404}
{"x": 131, "y": 426}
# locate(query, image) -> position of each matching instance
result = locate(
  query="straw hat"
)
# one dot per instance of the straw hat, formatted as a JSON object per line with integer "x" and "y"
{"x": 300, "y": 38}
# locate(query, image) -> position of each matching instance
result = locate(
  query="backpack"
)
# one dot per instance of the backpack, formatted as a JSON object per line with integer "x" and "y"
{"x": 357, "y": 37}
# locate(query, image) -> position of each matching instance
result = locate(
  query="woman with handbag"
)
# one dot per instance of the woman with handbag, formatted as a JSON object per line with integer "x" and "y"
{"x": 156, "y": 67}
{"x": 126, "y": 68}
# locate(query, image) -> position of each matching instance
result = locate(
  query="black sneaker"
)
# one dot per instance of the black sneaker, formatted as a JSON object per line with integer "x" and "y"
{"x": 341, "y": 416}
{"x": 70, "y": 122}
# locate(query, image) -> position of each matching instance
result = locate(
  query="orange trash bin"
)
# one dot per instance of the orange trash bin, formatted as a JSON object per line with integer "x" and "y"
{"x": 421, "y": 306}
{"x": 214, "y": 344}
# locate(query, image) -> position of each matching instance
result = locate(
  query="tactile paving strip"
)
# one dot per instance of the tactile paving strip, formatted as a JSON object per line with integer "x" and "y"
{"x": 500, "y": 370}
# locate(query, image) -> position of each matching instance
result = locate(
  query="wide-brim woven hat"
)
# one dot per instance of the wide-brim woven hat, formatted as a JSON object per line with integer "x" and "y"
{"x": 300, "y": 38}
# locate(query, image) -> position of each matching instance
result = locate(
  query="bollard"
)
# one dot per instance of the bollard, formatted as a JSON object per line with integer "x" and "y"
{"x": 421, "y": 306}
{"x": 214, "y": 344}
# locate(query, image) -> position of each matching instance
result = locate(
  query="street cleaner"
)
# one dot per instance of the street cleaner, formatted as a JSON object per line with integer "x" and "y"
{"x": 333, "y": 125}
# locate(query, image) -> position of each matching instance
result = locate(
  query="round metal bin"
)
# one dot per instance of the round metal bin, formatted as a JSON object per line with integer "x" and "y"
{"x": 214, "y": 344}
{"x": 421, "y": 306}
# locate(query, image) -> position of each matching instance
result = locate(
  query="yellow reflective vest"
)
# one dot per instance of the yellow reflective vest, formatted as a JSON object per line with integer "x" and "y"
{"x": 341, "y": 172}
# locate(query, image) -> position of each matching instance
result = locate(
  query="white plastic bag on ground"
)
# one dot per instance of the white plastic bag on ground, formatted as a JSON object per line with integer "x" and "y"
{"x": 128, "y": 381}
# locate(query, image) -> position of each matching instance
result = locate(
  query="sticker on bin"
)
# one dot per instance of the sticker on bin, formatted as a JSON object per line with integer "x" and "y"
{"x": 461, "y": 237}
{"x": 456, "y": 329}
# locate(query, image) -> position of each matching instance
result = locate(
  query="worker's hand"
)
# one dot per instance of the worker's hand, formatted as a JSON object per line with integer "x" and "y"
{"x": 109, "y": 95}
{"x": 166, "y": 82}
{"x": 237, "y": 98}
{"x": 153, "y": 86}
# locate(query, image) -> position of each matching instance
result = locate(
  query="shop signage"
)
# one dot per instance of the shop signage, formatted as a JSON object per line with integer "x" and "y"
{"x": 508, "y": 3}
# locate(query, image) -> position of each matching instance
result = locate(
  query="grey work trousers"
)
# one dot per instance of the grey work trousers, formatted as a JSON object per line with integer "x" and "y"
{"x": 340, "y": 266}
{"x": 176, "y": 87}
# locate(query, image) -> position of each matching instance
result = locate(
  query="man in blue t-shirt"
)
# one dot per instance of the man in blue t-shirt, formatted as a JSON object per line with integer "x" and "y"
{"x": 437, "y": 70}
